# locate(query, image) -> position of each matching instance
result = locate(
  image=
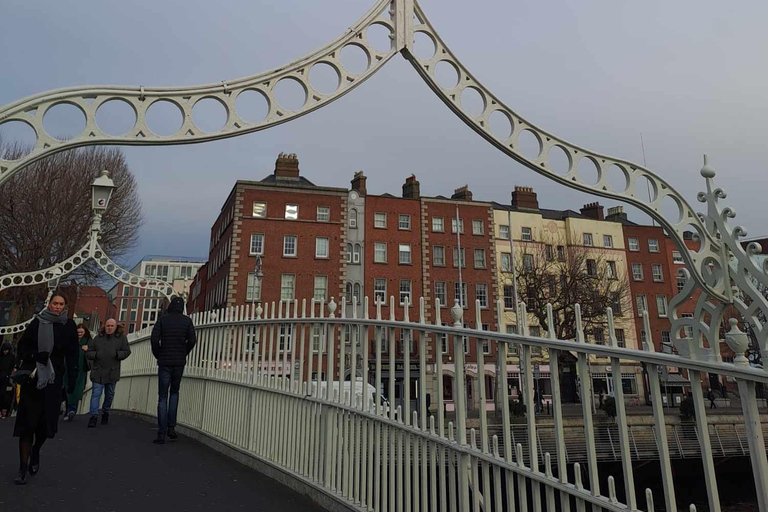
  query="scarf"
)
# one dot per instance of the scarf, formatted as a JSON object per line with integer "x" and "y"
{"x": 45, "y": 372}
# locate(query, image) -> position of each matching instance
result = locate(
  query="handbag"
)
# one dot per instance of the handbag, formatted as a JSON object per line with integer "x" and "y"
{"x": 22, "y": 377}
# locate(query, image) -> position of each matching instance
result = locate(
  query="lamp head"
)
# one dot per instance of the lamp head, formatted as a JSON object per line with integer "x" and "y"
{"x": 101, "y": 192}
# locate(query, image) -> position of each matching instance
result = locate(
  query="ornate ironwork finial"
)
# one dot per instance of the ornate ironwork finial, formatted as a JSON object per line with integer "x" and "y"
{"x": 457, "y": 313}
{"x": 707, "y": 171}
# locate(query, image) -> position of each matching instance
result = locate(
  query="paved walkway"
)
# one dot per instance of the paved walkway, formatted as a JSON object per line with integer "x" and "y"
{"x": 117, "y": 469}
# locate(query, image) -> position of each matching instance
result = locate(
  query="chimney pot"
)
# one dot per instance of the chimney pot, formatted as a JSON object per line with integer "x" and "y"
{"x": 359, "y": 182}
{"x": 525, "y": 198}
{"x": 462, "y": 193}
{"x": 411, "y": 187}
{"x": 287, "y": 166}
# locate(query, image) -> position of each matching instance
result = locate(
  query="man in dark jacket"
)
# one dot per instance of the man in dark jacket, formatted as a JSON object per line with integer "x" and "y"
{"x": 173, "y": 337}
{"x": 105, "y": 353}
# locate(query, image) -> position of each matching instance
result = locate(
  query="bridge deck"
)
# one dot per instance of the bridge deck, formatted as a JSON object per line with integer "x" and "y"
{"x": 117, "y": 468}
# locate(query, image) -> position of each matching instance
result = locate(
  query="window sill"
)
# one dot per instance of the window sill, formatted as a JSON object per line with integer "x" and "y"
{"x": 379, "y": 227}
{"x": 379, "y": 262}
{"x": 439, "y": 265}
{"x": 405, "y": 264}
{"x": 436, "y": 231}
{"x": 322, "y": 257}
{"x": 658, "y": 280}
{"x": 291, "y": 256}
{"x": 256, "y": 254}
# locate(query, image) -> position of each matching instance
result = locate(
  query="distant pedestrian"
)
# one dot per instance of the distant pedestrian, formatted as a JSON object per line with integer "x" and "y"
{"x": 173, "y": 338}
{"x": 48, "y": 345}
{"x": 601, "y": 397}
{"x": 711, "y": 398}
{"x": 7, "y": 362}
{"x": 73, "y": 398}
{"x": 105, "y": 354}
{"x": 536, "y": 401}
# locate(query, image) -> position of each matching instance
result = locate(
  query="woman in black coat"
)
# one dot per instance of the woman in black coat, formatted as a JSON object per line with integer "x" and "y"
{"x": 49, "y": 345}
{"x": 7, "y": 362}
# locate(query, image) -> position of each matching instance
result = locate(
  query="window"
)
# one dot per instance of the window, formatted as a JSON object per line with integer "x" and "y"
{"x": 379, "y": 252}
{"x": 379, "y": 291}
{"x": 456, "y": 257}
{"x": 324, "y": 213}
{"x": 634, "y": 244}
{"x": 552, "y": 285}
{"x": 620, "y": 340}
{"x": 356, "y": 295}
{"x": 348, "y": 295}
{"x": 680, "y": 281}
{"x": 665, "y": 339}
{"x": 677, "y": 258}
{"x": 477, "y": 227}
{"x": 259, "y": 209}
{"x": 637, "y": 271}
{"x": 460, "y": 224}
{"x": 530, "y": 299}
{"x": 511, "y": 329}
{"x": 286, "y": 336}
{"x": 506, "y": 262}
{"x": 592, "y": 268}
{"x": 321, "y": 247}
{"x": 527, "y": 262}
{"x": 405, "y": 291}
{"x": 628, "y": 384}
{"x": 612, "y": 270}
{"x": 349, "y": 253}
{"x": 599, "y": 336}
{"x": 481, "y": 294}
{"x": 504, "y": 232}
{"x": 287, "y": 285}
{"x": 357, "y": 254}
{"x": 549, "y": 252}
{"x": 688, "y": 330}
{"x": 257, "y": 243}
{"x": 127, "y": 291}
{"x": 317, "y": 340}
{"x": 462, "y": 298}
{"x": 406, "y": 337}
{"x": 509, "y": 296}
{"x": 616, "y": 304}
{"x": 486, "y": 343}
{"x": 253, "y": 293}
{"x": 403, "y": 222}
{"x": 588, "y": 239}
{"x": 438, "y": 256}
{"x": 607, "y": 241}
{"x": 658, "y": 274}
{"x": 479, "y": 258}
{"x": 405, "y": 254}
{"x": 437, "y": 225}
{"x": 661, "y": 305}
{"x": 291, "y": 211}
{"x": 353, "y": 218}
{"x": 380, "y": 220}
{"x": 321, "y": 287}
{"x": 526, "y": 235}
{"x": 560, "y": 253}
{"x": 642, "y": 304}
{"x": 289, "y": 245}
{"x": 441, "y": 293}
{"x": 653, "y": 245}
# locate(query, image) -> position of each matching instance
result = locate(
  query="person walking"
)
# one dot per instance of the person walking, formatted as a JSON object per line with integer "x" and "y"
{"x": 7, "y": 362}
{"x": 173, "y": 337}
{"x": 711, "y": 398}
{"x": 105, "y": 354}
{"x": 48, "y": 346}
{"x": 73, "y": 399}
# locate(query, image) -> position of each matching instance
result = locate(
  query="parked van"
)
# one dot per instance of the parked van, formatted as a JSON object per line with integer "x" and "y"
{"x": 361, "y": 390}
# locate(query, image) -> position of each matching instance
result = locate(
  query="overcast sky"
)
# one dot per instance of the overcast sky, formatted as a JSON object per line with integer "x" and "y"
{"x": 690, "y": 75}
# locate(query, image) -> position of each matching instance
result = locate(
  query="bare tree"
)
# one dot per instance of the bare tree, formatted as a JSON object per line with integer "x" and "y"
{"x": 45, "y": 214}
{"x": 564, "y": 275}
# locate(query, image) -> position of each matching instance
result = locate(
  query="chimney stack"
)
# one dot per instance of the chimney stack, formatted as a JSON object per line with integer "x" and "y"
{"x": 593, "y": 211}
{"x": 359, "y": 183}
{"x": 411, "y": 188}
{"x": 462, "y": 193}
{"x": 287, "y": 166}
{"x": 525, "y": 198}
{"x": 616, "y": 214}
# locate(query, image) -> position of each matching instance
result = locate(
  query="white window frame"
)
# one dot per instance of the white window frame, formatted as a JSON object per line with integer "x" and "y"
{"x": 404, "y": 222}
{"x": 352, "y": 221}
{"x": 441, "y": 293}
{"x": 319, "y": 245}
{"x": 258, "y": 205}
{"x": 323, "y": 214}
{"x": 378, "y": 217}
{"x": 608, "y": 241}
{"x": 637, "y": 271}
{"x": 286, "y": 245}
{"x": 378, "y": 291}
{"x": 402, "y": 250}
{"x": 641, "y": 302}
{"x": 481, "y": 252}
{"x": 662, "y": 306}
{"x": 506, "y": 262}
{"x": 357, "y": 254}
{"x": 657, "y": 277}
{"x": 376, "y": 252}
{"x": 526, "y": 234}
{"x": 612, "y": 272}
{"x": 406, "y": 293}
{"x": 460, "y": 224}
{"x": 677, "y": 258}
{"x": 681, "y": 280}
{"x": 253, "y": 293}
{"x": 290, "y": 215}
{"x": 588, "y": 241}
{"x": 527, "y": 261}
{"x": 594, "y": 268}
{"x": 621, "y": 339}
{"x": 459, "y": 257}
{"x": 254, "y": 237}
{"x": 285, "y": 281}
{"x": 481, "y": 294}
{"x": 438, "y": 249}
{"x": 653, "y": 245}
{"x": 633, "y": 244}
{"x": 477, "y": 227}
{"x": 463, "y": 298}
{"x": 438, "y": 225}
{"x": 503, "y": 232}
{"x": 323, "y": 288}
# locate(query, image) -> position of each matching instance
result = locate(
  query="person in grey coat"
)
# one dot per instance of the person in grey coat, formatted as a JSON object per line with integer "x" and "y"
{"x": 105, "y": 353}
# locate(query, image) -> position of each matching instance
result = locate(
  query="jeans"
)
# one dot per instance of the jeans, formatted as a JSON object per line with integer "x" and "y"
{"x": 72, "y": 407}
{"x": 168, "y": 377}
{"x": 96, "y": 392}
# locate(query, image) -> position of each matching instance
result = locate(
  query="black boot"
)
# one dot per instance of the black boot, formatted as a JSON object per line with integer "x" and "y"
{"x": 172, "y": 433}
{"x": 34, "y": 461}
{"x": 92, "y": 421}
{"x": 21, "y": 479}
{"x": 160, "y": 439}
{"x": 104, "y": 418}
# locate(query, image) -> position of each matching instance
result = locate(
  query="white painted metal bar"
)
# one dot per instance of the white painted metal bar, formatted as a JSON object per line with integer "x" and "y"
{"x": 587, "y": 399}
{"x": 702, "y": 425}
{"x": 557, "y": 412}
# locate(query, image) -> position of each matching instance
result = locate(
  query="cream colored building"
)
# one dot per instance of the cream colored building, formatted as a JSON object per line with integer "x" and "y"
{"x": 533, "y": 229}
